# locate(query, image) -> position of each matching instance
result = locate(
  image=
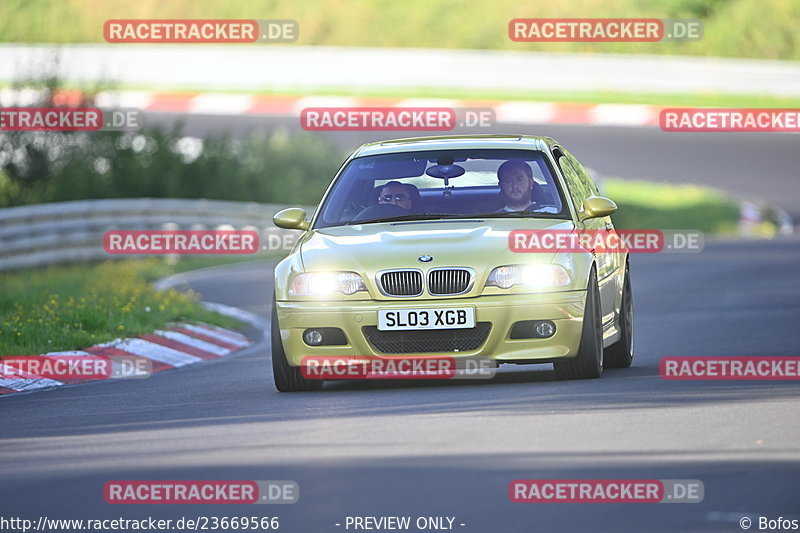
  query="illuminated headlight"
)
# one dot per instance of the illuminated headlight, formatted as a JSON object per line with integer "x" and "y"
{"x": 530, "y": 276}
{"x": 326, "y": 283}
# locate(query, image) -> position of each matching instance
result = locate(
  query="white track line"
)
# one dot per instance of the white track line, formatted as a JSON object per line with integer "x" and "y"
{"x": 525, "y": 112}
{"x": 193, "y": 342}
{"x": 216, "y": 335}
{"x": 24, "y": 384}
{"x": 621, "y": 114}
{"x": 221, "y": 104}
{"x": 154, "y": 351}
{"x": 239, "y": 314}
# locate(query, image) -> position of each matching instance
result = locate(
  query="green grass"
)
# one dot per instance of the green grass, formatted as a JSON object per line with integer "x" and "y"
{"x": 648, "y": 205}
{"x": 733, "y": 28}
{"x": 73, "y": 307}
{"x": 154, "y": 269}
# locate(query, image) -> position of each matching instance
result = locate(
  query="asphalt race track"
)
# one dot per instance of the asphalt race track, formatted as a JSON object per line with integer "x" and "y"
{"x": 449, "y": 448}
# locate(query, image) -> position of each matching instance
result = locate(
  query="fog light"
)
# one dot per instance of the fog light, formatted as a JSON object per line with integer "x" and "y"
{"x": 545, "y": 329}
{"x": 313, "y": 337}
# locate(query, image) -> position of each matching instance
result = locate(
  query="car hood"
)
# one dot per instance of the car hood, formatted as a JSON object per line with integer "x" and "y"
{"x": 369, "y": 248}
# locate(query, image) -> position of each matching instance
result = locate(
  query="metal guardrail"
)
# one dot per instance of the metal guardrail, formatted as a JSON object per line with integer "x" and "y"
{"x": 64, "y": 232}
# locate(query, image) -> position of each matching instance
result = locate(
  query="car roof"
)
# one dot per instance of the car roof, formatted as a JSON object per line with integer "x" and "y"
{"x": 455, "y": 142}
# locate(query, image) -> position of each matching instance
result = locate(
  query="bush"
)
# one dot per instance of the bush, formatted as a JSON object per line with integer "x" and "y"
{"x": 276, "y": 167}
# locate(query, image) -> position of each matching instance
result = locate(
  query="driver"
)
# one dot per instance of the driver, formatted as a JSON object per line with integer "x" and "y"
{"x": 515, "y": 177}
{"x": 396, "y": 193}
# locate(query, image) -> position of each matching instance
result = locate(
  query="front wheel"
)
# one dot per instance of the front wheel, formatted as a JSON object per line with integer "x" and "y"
{"x": 589, "y": 361}
{"x": 620, "y": 354}
{"x": 287, "y": 378}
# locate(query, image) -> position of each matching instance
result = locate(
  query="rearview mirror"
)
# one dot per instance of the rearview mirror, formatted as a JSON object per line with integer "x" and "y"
{"x": 291, "y": 218}
{"x": 596, "y": 207}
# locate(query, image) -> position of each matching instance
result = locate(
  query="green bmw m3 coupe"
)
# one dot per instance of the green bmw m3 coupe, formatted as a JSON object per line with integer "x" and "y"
{"x": 408, "y": 254}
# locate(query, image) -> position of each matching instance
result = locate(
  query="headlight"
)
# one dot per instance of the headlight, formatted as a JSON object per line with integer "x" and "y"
{"x": 531, "y": 276}
{"x": 326, "y": 283}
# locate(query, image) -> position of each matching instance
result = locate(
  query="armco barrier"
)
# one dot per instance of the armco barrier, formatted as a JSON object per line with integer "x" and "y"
{"x": 64, "y": 232}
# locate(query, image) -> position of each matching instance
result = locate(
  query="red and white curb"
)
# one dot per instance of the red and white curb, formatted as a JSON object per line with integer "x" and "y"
{"x": 180, "y": 345}
{"x": 506, "y": 112}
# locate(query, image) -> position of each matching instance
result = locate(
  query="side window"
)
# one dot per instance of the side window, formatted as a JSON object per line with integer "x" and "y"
{"x": 577, "y": 188}
{"x": 586, "y": 179}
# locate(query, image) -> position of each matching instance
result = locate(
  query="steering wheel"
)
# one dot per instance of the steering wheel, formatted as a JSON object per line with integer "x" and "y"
{"x": 380, "y": 211}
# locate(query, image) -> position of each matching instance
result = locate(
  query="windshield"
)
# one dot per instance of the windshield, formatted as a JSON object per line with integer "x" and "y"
{"x": 443, "y": 184}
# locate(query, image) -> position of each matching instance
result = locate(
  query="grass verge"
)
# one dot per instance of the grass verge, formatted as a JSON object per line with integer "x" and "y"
{"x": 73, "y": 307}
{"x": 649, "y": 205}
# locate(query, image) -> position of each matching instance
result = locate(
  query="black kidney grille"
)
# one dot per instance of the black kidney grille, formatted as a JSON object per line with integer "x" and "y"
{"x": 448, "y": 281}
{"x": 402, "y": 283}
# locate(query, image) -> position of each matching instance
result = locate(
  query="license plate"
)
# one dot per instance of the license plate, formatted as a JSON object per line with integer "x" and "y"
{"x": 401, "y": 319}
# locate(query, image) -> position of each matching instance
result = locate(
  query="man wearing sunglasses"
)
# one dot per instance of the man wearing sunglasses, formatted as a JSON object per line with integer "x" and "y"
{"x": 396, "y": 193}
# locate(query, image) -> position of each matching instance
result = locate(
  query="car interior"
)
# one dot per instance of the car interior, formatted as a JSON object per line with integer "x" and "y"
{"x": 478, "y": 199}
{"x": 437, "y": 185}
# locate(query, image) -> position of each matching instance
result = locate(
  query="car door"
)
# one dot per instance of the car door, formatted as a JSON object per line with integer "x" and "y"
{"x": 581, "y": 186}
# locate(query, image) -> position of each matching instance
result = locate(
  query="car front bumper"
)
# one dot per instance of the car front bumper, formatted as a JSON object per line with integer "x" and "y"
{"x": 565, "y": 309}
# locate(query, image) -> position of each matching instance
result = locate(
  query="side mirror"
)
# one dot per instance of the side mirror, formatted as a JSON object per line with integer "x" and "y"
{"x": 291, "y": 218}
{"x": 596, "y": 207}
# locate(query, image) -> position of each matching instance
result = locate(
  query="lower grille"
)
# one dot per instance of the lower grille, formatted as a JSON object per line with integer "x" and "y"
{"x": 428, "y": 341}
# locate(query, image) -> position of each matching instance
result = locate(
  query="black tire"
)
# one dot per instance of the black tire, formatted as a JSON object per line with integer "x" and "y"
{"x": 589, "y": 361}
{"x": 287, "y": 378}
{"x": 620, "y": 354}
